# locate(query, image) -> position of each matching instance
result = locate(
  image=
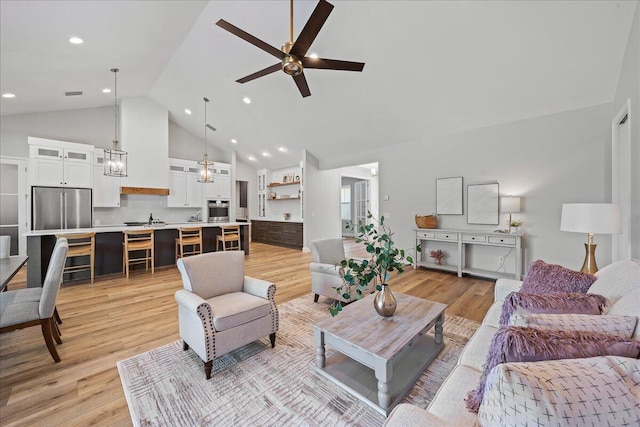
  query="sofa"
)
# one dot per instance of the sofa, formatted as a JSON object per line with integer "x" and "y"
{"x": 618, "y": 282}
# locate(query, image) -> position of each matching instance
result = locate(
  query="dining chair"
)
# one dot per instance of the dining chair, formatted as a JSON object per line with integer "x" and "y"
{"x": 229, "y": 237}
{"x": 18, "y": 310}
{"x": 136, "y": 241}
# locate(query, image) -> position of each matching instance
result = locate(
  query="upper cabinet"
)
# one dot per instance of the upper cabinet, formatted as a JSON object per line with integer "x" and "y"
{"x": 220, "y": 188}
{"x": 184, "y": 189}
{"x": 60, "y": 163}
{"x": 106, "y": 189}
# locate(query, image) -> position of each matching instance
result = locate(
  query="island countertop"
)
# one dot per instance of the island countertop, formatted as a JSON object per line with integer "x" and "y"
{"x": 108, "y": 246}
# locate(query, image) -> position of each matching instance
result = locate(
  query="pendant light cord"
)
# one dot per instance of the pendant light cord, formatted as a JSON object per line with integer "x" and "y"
{"x": 115, "y": 107}
{"x": 206, "y": 101}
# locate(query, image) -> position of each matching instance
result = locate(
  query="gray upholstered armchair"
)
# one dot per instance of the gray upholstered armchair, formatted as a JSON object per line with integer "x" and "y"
{"x": 326, "y": 272}
{"x": 220, "y": 309}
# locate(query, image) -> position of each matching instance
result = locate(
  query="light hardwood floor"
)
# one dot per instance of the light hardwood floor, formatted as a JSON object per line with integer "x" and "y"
{"x": 116, "y": 318}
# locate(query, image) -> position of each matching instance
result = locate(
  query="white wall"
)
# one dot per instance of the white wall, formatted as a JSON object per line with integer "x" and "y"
{"x": 629, "y": 88}
{"x": 185, "y": 145}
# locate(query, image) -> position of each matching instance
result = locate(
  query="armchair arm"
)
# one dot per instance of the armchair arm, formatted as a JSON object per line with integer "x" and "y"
{"x": 258, "y": 287}
{"x": 504, "y": 287}
{"x": 191, "y": 301}
{"x": 319, "y": 267}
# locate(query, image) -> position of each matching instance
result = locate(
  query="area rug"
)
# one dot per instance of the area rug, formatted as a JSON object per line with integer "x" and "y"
{"x": 260, "y": 386}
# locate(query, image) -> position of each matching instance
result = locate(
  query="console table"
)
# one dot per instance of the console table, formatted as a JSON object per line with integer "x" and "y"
{"x": 462, "y": 239}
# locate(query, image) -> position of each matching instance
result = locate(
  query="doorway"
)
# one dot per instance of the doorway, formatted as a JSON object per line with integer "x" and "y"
{"x": 13, "y": 203}
{"x": 242, "y": 204}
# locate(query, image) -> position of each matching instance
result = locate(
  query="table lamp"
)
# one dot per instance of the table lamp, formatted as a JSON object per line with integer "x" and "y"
{"x": 590, "y": 218}
{"x": 511, "y": 205}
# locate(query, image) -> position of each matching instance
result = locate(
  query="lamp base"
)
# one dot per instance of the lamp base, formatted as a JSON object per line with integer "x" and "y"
{"x": 589, "y": 265}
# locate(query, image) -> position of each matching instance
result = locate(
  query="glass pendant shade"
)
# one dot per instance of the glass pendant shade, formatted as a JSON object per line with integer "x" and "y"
{"x": 205, "y": 166}
{"x": 115, "y": 160}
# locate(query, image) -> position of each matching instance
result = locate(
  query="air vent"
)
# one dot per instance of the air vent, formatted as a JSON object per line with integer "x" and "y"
{"x": 211, "y": 127}
{"x": 73, "y": 93}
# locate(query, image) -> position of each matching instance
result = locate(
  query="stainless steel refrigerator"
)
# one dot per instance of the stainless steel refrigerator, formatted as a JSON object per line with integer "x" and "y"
{"x": 61, "y": 208}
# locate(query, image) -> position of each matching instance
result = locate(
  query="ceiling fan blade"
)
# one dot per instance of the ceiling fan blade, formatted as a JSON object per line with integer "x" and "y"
{"x": 249, "y": 38}
{"x": 311, "y": 28}
{"x": 268, "y": 70}
{"x": 332, "y": 64}
{"x": 301, "y": 81}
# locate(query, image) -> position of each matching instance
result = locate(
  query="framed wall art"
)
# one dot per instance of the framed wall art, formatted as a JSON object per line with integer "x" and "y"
{"x": 449, "y": 196}
{"x": 482, "y": 204}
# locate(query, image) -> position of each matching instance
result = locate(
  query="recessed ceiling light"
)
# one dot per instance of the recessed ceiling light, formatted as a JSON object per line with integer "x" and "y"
{"x": 253, "y": 159}
{"x": 314, "y": 55}
{"x": 266, "y": 154}
{"x": 234, "y": 141}
{"x": 186, "y": 110}
{"x": 76, "y": 40}
{"x": 8, "y": 95}
{"x": 282, "y": 149}
{"x": 106, "y": 90}
{"x": 246, "y": 100}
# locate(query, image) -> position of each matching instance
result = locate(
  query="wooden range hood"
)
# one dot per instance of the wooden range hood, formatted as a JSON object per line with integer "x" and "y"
{"x": 145, "y": 190}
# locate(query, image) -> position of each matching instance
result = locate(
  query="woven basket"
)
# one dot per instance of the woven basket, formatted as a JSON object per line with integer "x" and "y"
{"x": 426, "y": 221}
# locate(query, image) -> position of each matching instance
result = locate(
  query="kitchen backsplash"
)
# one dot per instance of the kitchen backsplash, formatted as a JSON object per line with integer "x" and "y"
{"x": 138, "y": 207}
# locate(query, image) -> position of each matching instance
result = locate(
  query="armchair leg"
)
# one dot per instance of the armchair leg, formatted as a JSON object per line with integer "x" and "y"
{"x": 48, "y": 338}
{"x": 207, "y": 368}
{"x": 185, "y": 346}
{"x": 315, "y": 298}
{"x": 272, "y": 338}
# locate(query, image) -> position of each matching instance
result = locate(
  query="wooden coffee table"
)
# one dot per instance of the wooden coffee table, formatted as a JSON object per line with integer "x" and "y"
{"x": 378, "y": 359}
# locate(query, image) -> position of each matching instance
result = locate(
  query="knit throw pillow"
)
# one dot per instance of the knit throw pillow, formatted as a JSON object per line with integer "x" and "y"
{"x": 558, "y": 303}
{"x": 543, "y": 278}
{"x": 620, "y": 326}
{"x": 516, "y": 344}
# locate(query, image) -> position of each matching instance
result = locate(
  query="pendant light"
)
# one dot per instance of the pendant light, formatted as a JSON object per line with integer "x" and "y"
{"x": 115, "y": 160}
{"x": 205, "y": 166}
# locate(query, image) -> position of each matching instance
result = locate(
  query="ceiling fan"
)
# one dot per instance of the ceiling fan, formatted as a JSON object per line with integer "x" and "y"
{"x": 292, "y": 54}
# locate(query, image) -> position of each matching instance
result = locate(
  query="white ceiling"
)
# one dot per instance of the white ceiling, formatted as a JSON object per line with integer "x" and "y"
{"x": 432, "y": 67}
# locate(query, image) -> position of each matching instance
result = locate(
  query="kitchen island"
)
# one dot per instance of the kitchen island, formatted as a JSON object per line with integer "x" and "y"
{"x": 109, "y": 238}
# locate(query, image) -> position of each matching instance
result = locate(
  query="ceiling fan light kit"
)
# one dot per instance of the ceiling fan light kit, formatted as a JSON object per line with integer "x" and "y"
{"x": 292, "y": 55}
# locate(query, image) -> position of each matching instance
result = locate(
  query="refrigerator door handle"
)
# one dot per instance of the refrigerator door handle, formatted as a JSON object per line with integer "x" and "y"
{"x": 65, "y": 209}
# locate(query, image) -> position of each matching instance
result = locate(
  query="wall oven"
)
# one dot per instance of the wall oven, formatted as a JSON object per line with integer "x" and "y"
{"x": 218, "y": 210}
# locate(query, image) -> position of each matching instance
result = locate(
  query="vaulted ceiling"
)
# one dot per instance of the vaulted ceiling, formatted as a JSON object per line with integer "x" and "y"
{"x": 432, "y": 67}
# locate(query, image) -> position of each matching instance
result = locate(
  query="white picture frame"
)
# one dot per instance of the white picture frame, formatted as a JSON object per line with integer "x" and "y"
{"x": 483, "y": 204}
{"x": 449, "y": 196}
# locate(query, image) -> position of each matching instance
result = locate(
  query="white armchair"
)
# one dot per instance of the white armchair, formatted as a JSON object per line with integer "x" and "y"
{"x": 220, "y": 309}
{"x": 326, "y": 272}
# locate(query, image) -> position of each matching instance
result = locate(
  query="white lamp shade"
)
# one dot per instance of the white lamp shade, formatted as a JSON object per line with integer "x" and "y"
{"x": 594, "y": 218}
{"x": 510, "y": 204}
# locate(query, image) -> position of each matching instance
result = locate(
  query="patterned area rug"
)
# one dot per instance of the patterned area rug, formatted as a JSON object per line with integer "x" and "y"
{"x": 260, "y": 386}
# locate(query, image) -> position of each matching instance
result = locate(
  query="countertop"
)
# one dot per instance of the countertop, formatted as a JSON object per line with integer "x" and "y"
{"x": 114, "y": 228}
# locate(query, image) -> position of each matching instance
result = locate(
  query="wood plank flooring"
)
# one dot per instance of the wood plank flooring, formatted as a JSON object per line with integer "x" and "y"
{"x": 116, "y": 318}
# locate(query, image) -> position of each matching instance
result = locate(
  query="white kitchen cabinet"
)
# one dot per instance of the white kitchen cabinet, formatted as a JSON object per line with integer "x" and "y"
{"x": 184, "y": 189}
{"x": 60, "y": 163}
{"x": 220, "y": 188}
{"x": 106, "y": 189}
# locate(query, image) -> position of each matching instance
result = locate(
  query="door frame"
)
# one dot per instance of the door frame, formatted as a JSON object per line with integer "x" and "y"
{"x": 23, "y": 199}
{"x": 625, "y": 214}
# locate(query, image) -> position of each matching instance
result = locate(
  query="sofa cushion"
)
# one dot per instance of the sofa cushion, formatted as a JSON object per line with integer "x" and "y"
{"x": 524, "y": 303}
{"x": 621, "y": 326}
{"x": 448, "y": 402}
{"x": 599, "y": 391}
{"x": 516, "y": 344}
{"x": 492, "y": 318}
{"x": 236, "y": 308}
{"x": 543, "y": 278}
{"x": 475, "y": 352}
{"x": 617, "y": 280}
{"x": 628, "y": 305}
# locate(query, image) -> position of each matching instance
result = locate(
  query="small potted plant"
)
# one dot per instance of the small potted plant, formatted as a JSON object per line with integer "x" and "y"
{"x": 513, "y": 225}
{"x": 384, "y": 258}
{"x": 437, "y": 256}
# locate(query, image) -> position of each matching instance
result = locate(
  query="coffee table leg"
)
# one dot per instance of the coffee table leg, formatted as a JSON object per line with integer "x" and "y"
{"x": 318, "y": 338}
{"x": 383, "y": 375}
{"x": 438, "y": 332}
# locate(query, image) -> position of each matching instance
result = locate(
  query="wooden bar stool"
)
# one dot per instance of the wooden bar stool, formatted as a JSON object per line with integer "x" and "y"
{"x": 80, "y": 245}
{"x": 138, "y": 240}
{"x": 188, "y": 236}
{"x": 230, "y": 238}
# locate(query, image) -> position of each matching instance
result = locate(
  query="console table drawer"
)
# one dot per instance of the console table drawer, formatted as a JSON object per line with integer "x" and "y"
{"x": 425, "y": 234}
{"x": 447, "y": 236}
{"x": 473, "y": 238}
{"x": 502, "y": 240}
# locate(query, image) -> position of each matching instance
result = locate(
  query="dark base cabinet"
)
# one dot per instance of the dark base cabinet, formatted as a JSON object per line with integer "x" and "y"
{"x": 278, "y": 233}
